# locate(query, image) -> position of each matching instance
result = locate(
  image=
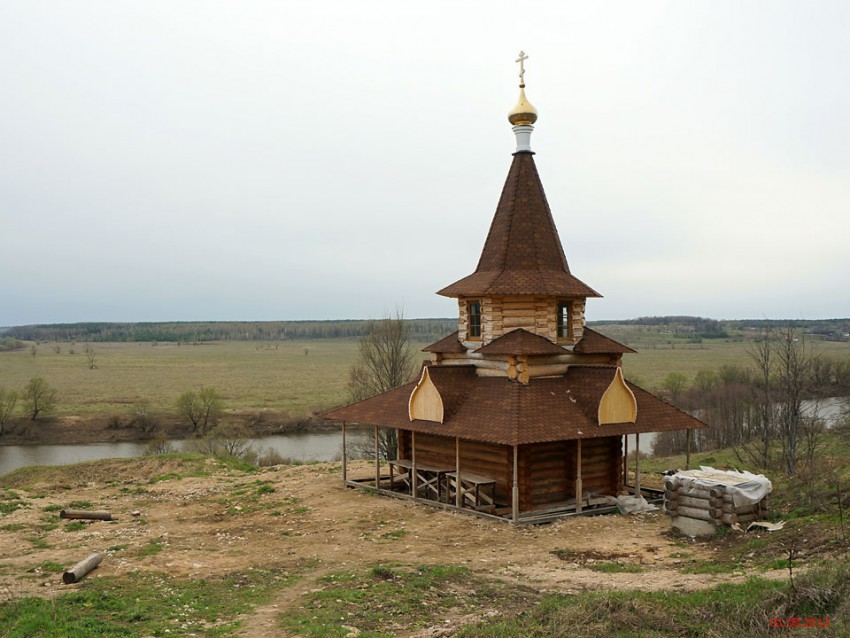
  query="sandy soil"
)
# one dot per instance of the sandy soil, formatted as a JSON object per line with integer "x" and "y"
{"x": 207, "y": 527}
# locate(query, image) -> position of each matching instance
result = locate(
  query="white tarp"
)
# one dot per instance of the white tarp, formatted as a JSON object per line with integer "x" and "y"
{"x": 746, "y": 488}
{"x": 634, "y": 504}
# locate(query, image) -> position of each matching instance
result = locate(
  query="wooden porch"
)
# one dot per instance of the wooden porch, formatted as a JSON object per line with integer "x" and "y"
{"x": 497, "y": 482}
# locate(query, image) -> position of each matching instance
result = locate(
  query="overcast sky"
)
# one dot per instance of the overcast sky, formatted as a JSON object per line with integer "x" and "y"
{"x": 210, "y": 160}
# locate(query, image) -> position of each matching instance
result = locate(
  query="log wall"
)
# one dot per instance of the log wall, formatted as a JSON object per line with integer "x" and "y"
{"x": 486, "y": 459}
{"x": 548, "y": 470}
{"x": 538, "y": 315}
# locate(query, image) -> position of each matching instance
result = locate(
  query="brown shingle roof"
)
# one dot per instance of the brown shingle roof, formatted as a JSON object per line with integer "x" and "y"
{"x": 593, "y": 342}
{"x": 523, "y": 254}
{"x": 449, "y": 344}
{"x": 498, "y": 410}
{"x": 521, "y": 341}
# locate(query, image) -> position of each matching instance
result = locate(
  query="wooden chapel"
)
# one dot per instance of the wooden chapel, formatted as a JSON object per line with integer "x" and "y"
{"x": 522, "y": 413}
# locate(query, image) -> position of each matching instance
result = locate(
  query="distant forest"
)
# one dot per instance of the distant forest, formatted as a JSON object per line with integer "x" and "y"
{"x": 827, "y": 329}
{"x": 199, "y": 331}
{"x": 422, "y": 330}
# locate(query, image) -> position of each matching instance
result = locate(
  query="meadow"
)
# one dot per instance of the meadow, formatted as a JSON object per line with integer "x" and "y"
{"x": 295, "y": 377}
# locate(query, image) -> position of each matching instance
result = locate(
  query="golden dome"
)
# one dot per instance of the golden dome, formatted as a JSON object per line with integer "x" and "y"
{"x": 523, "y": 113}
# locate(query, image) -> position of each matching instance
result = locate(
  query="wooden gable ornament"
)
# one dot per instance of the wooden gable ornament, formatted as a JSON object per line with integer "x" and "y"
{"x": 425, "y": 401}
{"x": 618, "y": 403}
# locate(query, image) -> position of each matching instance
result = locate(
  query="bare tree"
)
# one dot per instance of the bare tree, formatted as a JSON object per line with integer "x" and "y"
{"x": 202, "y": 408}
{"x": 386, "y": 362}
{"x": 38, "y": 397}
{"x": 8, "y": 399}
{"x": 91, "y": 357}
{"x": 793, "y": 377}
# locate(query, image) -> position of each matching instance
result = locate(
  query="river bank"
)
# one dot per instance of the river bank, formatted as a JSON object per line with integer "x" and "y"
{"x": 75, "y": 430}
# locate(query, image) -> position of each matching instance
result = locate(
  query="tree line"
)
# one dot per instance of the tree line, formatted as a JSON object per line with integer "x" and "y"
{"x": 767, "y": 411}
{"x": 425, "y": 330}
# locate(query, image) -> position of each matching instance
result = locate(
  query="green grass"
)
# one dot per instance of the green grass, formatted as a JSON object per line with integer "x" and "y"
{"x": 151, "y": 549}
{"x": 137, "y": 605}
{"x": 387, "y": 599}
{"x": 250, "y": 376}
{"x": 726, "y": 610}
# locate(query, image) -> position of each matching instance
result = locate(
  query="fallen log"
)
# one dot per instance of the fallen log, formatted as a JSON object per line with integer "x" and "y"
{"x": 89, "y": 516}
{"x": 78, "y": 571}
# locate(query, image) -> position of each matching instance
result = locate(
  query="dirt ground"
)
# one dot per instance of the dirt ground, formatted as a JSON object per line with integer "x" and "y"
{"x": 305, "y": 520}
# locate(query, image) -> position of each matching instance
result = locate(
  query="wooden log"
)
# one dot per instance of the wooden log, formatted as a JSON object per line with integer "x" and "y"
{"x": 690, "y": 501}
{"x": 491, "y": 364}
{"x": 548, "y": 370}
{"x": 698, "y": 514}
{"x": 82, "y": 568}
{"x": 488, "y": 372}
{"x": 89, "y": 516}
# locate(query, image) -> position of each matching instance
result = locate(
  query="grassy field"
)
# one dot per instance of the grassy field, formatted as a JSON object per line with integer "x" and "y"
{"x": 293, "y": 376}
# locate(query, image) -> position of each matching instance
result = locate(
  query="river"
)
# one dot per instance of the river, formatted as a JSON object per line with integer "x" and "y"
{"x": 300, "y": 446}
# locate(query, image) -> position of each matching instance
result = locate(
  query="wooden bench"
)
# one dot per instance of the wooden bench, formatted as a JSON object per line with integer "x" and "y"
{"x": 479, "y": 491}
{"x": 429, "y": 480}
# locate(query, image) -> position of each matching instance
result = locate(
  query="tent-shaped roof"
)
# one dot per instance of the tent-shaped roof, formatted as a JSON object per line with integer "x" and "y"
{"x": 498, "y": 410}
{"x": 521, "y": 341}
{"x": 523, "y": 254}
{"x": 593, "y": 342}
{"x": 449, "y": 344}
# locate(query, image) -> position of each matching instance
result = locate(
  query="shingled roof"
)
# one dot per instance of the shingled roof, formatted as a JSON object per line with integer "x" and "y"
{"x": 449, "y": 344}
{"x": 521, "y": 341}
{"x": 498, "y": 410}
{"x": 523, "y": 254}
{"x": 592, "y": 342}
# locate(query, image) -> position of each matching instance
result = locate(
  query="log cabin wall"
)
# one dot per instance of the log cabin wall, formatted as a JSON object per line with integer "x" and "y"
{"x": 546, "y": 474}
{"x": 538, "y": 315}
{"x": 601, "y": 465}
{"x": 548, "y": 470}
{"x": 486, "y": 459}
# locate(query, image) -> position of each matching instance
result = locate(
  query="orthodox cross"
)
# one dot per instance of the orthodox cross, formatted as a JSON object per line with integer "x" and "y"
{"x": 521, "y": 59}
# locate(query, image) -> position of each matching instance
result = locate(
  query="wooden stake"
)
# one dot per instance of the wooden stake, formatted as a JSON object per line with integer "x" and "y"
{"x": 414, "y": 483}
{"x": 578, "y": 476}
{"x": 377, "y": 461}
{"x": 344, "y": 457}
{"x": 637, "y": 464}
{"x": 688, "y": 449}
{"x": 82, "y": 568}
{"x": 625, "y": 461}
{"x": 515, "y": 490}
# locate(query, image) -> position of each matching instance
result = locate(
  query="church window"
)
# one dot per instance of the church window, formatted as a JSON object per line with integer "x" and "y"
{"x": 565, "y": 324}
{"x": 474, "y": 313}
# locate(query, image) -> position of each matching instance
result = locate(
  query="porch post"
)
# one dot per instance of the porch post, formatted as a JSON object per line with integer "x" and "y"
{"x": 625, "y": 461}
{"x": 688, "y": 449}
{"x": 344, "y": 457}
{"x": 414, "y": 484}
{"x": 637, "y": 464}
{"x": 377, "y": 461}
{"x": 458, "y": 495}
{"x": 578, "y": 476}
{"x": 515, "y": 490}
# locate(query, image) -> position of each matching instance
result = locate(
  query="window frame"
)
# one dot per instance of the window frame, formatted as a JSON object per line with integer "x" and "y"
{"x": 568, "y": 304}
{"x": 469, "y": 314}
